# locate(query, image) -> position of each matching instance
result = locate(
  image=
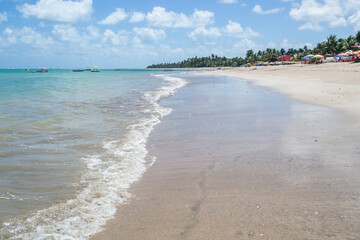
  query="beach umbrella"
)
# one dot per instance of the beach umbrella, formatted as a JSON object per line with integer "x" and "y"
{"x": 342, "y": 55}
{"x": 308, "y": 57}
{"x": 350, "y": 53}
{"x": 318, "y": 56}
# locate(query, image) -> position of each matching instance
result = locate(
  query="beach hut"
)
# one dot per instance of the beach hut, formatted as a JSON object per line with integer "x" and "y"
{"x": 286, "y": 58}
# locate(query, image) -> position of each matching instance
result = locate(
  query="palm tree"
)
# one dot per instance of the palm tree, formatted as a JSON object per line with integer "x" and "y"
{"x": 341, "y": 45}
{"x": 358, "y": 37}
{"x": 250, "y": 56}
{"x": 306, "y": 49}
{"x": 320, "y": 48}
{"x": 282, "y": 51}
{"x": 274, "y": 55}
{"x": 331, "y": 44}
{"x": 350, "y": 41}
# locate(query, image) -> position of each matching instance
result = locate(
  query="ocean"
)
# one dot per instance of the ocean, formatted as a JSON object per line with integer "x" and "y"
{"x": 72, "y": 143}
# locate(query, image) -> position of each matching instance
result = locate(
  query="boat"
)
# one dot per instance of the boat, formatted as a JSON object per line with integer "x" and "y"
{"x": 77, "y": 70}
{"x": 40, "y": 70}
{"x": 95, "y": 69}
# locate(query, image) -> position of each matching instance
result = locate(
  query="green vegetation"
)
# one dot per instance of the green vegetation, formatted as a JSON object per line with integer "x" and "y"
{"x": 332, "y": 45}
{"x": 212, "y": 61}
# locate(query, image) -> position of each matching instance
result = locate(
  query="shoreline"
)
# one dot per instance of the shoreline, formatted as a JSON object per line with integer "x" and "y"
{"x": 235, "y": 161}
{"x": 334, "y": 85}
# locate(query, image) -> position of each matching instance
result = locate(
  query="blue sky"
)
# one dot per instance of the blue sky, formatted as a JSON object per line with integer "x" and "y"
{"x": 137, "y": 33}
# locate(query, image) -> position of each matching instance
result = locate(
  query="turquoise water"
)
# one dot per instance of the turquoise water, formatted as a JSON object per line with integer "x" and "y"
{"x": 71, "y": 145}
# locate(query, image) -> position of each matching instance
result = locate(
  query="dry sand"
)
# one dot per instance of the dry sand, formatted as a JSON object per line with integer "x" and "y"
{"x": 235, "y": 161}
{"x": 335, "y": 85}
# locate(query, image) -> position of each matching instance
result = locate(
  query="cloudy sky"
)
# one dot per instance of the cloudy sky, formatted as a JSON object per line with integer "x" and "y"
{"x": 136, "y": 33}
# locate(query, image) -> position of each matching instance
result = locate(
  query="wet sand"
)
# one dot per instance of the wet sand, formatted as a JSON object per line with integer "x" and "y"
{"x": 236, "y": 161}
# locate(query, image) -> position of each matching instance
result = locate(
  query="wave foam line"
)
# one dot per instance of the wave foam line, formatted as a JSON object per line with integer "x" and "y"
{"x": 104, "y": 185}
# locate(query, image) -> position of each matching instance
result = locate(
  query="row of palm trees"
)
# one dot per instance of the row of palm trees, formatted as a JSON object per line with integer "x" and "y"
{"x": 332, "y": 45}
{"x": 200, "y": 62}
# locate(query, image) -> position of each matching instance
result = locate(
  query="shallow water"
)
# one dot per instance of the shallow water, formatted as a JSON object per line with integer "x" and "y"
{"x": 71, "y": 145}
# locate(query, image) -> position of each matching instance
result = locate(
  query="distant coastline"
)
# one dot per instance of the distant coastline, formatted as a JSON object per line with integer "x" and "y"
{"x": 331, "y": 47}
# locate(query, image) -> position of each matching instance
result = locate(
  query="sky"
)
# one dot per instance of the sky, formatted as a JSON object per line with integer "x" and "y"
{"x": 137, "y": 33}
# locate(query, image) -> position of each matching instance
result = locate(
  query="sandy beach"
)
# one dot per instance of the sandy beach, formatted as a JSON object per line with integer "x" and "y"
{"x": 271, "y": 153}
{"x": 333, "y": 85}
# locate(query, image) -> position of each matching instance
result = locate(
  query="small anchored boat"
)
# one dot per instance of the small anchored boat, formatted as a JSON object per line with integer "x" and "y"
{"x": 40, "y": 70}
{"x": 95, "y": 69}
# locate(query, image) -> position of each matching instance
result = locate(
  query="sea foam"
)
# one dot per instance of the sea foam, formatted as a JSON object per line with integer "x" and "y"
{"x": 104, "y": 185}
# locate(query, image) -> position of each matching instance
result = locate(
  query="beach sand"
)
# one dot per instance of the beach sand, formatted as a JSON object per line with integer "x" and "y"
{"x": 335, "y": 85}
{"x": 236, "y": 161}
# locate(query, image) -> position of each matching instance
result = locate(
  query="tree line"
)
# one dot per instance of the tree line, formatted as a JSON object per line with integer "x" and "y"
{"x": 332, "y": 45}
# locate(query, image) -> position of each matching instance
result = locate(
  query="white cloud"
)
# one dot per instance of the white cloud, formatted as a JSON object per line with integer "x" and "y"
{"x": 66, "y": 33}
{"x": 3, "y": 17}
{"x": 340, "y": 22}
{"x": 202, "y": 18}
{"x": 335, "y": 13}
{"x": 137, "y": 17}
{"x": 150, "y": 34}
{"x": 115, "y": 17}
{"x": 228, "y": 1}
{"x": 236, "y": 30}
{"x": 58, "y": 10}
{"x": 202, "y": 32}
{"x": 355, "y": 20}
{"x": 93, "y": 32}
{"x": 313, "y": 12}
{"x": 246, "y": 44}
{"x": 26, "y": 36}
{"x": 159, "y": 17}
{"x": 353, "y": 8}
{"x": 258, "y": 9}
{"x": 115, "y": 38}
{"x": 311, "y": 26}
